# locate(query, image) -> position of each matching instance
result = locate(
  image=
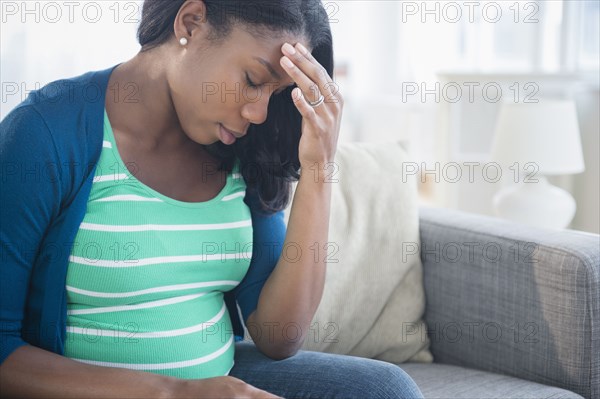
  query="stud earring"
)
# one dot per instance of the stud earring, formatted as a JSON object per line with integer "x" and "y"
{"x": 183, "y": 41}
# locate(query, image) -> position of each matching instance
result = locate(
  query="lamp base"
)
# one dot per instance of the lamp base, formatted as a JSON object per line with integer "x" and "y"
{"x": 538, "y": 204}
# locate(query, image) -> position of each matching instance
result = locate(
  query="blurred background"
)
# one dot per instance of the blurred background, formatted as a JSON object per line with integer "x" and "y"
{"x": 451, "y": 80}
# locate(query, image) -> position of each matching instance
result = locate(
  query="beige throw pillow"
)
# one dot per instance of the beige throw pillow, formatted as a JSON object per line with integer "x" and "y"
{"x": 374, "y": 300}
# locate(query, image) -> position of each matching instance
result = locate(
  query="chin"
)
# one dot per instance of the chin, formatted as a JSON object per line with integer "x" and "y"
{"x": 203, "y": 140}
{"x": 200, "y": 136}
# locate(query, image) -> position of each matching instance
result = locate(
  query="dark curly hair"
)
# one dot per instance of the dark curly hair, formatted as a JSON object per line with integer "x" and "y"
{"x": 268, "y": 154}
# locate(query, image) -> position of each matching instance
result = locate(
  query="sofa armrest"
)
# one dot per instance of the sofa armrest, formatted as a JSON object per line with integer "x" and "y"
{"x": 513, "y": 299}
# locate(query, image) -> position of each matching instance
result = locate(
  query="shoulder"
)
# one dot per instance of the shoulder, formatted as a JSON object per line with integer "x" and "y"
{"x": 58, "y": 128}
{"x": 69, "y": 110}
{"x": 69, "y": 93}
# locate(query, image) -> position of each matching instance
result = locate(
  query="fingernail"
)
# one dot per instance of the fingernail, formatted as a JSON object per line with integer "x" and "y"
{"x": 302, "y": 49}
{"x": 289, "y": 49}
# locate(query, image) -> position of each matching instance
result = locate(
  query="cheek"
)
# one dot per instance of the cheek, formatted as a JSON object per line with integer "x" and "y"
{"x": 202, "y": 97}
{"x": 226, "y": 90}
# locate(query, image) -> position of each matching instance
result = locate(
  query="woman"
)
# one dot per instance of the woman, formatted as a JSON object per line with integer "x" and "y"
{"x": 138, "y": 227}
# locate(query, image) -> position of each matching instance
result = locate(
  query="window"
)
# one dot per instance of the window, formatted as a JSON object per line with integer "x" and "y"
{"x": 589, "y": 33}
{"x": 498, "y": 36}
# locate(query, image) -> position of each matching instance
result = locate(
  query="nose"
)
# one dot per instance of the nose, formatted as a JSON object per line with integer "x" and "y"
{"x": 255, "y": 107}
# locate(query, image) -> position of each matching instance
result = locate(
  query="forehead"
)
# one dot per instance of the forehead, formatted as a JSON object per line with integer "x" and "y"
{"x": 262, "y": 49}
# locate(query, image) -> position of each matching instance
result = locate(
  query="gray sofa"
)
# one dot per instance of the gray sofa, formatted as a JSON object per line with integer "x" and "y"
{"x": 512, "y": 311}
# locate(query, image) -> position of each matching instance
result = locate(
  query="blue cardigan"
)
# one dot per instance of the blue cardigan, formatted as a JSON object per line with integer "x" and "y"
{"x": 49, "y": 146}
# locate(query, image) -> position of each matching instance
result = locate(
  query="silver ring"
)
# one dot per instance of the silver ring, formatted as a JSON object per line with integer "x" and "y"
{"x": 318, "y": 102}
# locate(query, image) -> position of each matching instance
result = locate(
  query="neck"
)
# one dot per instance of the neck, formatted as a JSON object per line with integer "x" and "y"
{"x": 139, "y": 103}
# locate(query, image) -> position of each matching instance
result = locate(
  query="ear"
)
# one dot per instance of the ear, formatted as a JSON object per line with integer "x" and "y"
{"x": 190, "y": 19}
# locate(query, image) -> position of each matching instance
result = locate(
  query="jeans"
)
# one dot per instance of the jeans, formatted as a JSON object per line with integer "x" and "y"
{"x": 311, "y": 374}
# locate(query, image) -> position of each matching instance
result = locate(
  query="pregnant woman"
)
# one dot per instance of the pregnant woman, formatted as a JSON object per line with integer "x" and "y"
{"x": 143, "y": 204}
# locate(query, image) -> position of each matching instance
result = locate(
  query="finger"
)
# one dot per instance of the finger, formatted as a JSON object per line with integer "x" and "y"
{"x": 304, "y": 108}
{"x": 305, "y": 61}
{"x": 308, "y": 87}
{"x": 329, "y": 87}
{"x": 266, "y": 394}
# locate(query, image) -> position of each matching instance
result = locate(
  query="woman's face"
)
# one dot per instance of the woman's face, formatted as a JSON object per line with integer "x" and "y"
{"x": 209, "y": 84}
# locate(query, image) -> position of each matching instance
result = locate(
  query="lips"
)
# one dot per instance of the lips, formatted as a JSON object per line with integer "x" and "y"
{"x": 225, "y": 136}
{"x": 233, "y": 133}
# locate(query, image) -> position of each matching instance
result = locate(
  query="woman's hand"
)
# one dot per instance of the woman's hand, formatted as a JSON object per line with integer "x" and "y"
{"x": 218, "y": 387}
{"x": 320, "y": 124}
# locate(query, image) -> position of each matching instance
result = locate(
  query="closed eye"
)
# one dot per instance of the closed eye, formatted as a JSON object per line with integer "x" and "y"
{"x": 249, "y": 82}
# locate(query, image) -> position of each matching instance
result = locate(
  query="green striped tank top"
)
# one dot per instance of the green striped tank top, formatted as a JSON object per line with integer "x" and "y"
{"x": 147, "y": 274}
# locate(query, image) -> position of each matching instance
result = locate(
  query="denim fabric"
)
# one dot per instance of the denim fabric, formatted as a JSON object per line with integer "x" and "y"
{"x": 312, "y": 375}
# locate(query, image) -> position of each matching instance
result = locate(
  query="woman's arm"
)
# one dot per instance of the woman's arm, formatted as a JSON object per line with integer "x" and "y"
{"x": 30, "y": 199}
{"x": 31, "y": 372}
{"x": 291, "y": 295}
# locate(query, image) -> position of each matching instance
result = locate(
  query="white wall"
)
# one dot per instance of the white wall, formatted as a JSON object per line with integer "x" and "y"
{"x": 45, "y": 41}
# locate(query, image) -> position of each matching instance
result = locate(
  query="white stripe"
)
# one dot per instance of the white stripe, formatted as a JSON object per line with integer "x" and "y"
{"x": 236, "y": 175}
{"x": 113, "y": 177}
{"x": 163, "y": 366}
{"x": 152, "y": 304}
{"x": 234, "y": 195}
{"x": 165, "y": 227}
{"x": 165, "y": 288}
{"x": 128, "y": 197}
{"x": 159, "y": 260}
{"x": 154, "y": 334}
{"x": 106, "y": 144}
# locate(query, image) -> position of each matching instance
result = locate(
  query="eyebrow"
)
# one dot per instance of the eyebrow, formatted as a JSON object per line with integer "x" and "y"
{"x": 269, "y": 67}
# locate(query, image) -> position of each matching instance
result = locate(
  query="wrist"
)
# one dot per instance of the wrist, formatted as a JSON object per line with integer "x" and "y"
{"x": 319, "y": 172}
{"x": 169, "y": 387}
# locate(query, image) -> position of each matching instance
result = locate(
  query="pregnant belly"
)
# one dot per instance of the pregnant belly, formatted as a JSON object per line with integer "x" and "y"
{"x": 189, "y": 339}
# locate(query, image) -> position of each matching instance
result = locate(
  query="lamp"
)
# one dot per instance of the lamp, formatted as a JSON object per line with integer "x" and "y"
{"x": 545, "y": 134}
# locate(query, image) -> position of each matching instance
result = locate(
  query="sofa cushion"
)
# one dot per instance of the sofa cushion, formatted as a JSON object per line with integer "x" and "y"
{"x": 374, "y": 290}
{"x": 518, "y": 300}
{"x": 447, "y": 381}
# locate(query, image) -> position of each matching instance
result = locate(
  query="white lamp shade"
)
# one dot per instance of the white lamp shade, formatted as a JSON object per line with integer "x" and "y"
{"x": 546, "y": 133}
